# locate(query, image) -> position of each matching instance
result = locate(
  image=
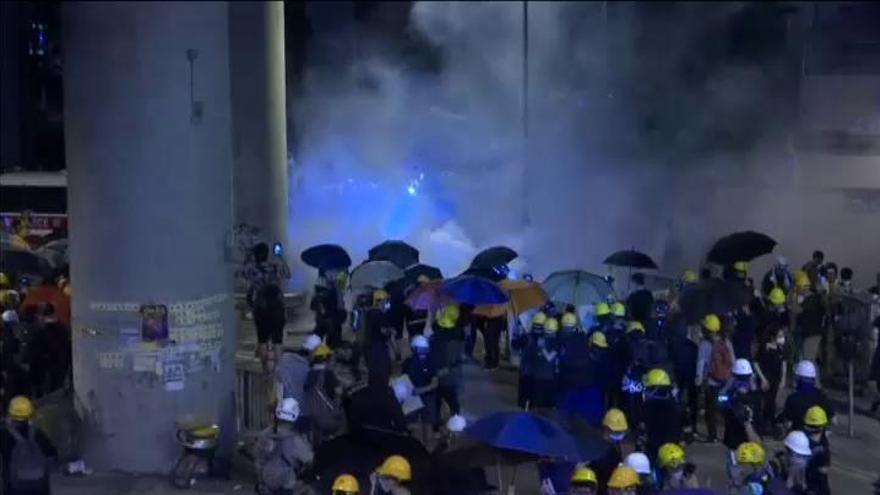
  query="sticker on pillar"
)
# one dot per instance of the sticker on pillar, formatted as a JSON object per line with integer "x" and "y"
{"x": 154, "y": 322}
{"x": 130, "y": 338}
{"x": 144, "y": 362}
{"x": 173, "y": 372}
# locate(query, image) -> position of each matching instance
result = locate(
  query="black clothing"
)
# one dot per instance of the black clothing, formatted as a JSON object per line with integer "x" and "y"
{"x": 269, "y": 321}
{"x": 574, "y": 362}
{"x": 415, "y": 321}
{"x": 817, "y": 482}
{"x": 375, "y": 406}
{"x": 797, "y": 404}
{"x": 739, "y": 410}
{"x": 7, "y": 442}
{"x": 492, "y": 328}
{"x": 377, "y": 351}
{"x": 639, "y": 305}
{"x": 710, "y": 405}
{"x": 606, "y": 465}
{"x": 663, "y": 420}
{"x": 744, "y": 335}
{"x": 812, "y": 316}
{"x": 330, "y": 381}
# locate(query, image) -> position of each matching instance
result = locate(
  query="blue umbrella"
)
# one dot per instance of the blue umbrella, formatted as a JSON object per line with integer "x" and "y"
{"x": 469, "y": 289}
{"x": 525, "y": 432}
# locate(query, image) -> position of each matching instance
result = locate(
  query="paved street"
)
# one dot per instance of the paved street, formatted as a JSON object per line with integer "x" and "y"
{"x": 855, "y": 460}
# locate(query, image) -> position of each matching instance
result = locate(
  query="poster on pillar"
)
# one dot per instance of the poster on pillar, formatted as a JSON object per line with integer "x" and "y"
{"x": 154, "y": 322}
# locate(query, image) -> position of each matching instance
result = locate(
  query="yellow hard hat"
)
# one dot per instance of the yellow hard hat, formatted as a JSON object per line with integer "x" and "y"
{"x": 5, "y": 283}
{"x": 635, "y": 326}
{"x": 21, "y": 408}
{"x": 816, "y": 417}
{"x": 750, "y": 453}
{"x": 598, "y": 339}
{"x": 380, "y": 295}
{"x": 602, "y": 309}
{"x": 623, "y": 477}
{"x": 776, "y": 296}
{"x": 539, "y": 318}
{"x": 712, "y": 323}
{"x": 67, "y": 290}
{"x": 322, "y": 351}
{"x": 657, "y": 377}
{"x": 206, "y": 432}
{"x": 671, "y": 455}
{"x": 584, "y": 474}
{"x": 569, "y": 320}
{"x": 396, "y": 467}
{"x": 689, "y": 277}
{"x": 347, "y": 484}
{"x": 551, "y": 325}
{"x": 618, "y": 309}
{"x": 615, "y": 421}
{"x": 741, "y": 266}
{"x": 801, "y": 279}
{"x": 451, "y": 311}
{"x": 446, "y": 323}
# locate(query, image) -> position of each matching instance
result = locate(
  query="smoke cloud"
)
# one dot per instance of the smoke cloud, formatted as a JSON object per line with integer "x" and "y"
{"x": 638, "y": 115}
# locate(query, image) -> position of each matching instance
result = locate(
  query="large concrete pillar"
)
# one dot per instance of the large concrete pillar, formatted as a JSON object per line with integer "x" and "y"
{"x": 148, "y": 127}
{"x": 11, "y": 52}
{"x": 256, "y": 45}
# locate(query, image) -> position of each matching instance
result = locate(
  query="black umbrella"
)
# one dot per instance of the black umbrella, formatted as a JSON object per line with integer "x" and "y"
{"x": 632, "y": 259}
{"x": 487, "y": 273}
{"x": 740, "y": 246}
{"x": 18, "y": 263}
{"x": 413, "y": 273}
{"x": 397, "y": 252}
{"x": 713, "y": 296}
{"x": 494, "y": 256}
{"x": 326, "y": 257}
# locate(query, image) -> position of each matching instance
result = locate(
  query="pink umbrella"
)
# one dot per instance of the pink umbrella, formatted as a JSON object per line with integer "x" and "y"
{"x": 428, "y": 297}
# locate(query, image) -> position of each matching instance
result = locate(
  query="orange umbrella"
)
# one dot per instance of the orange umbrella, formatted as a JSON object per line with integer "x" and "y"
{"x": 524, "y": 295}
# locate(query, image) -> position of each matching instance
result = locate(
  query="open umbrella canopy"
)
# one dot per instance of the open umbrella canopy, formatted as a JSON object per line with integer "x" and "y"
{"x": 524, "y": 295}
{"x": 397, "y": 252}
{"x": 427, "y": 297}
{"x": 18, "y": 262}
{"x": 487, "y": 273}
{"x": 494, "y": 256}
{"x": 740, "y": 246}
{"x": 374, "y": 275}
{"x": 13, "y": 241}
{"x": 525, "y": 432}
{"x": 631, "y": 258}
{"x": 474, "y": 290}
{"x": 326, "y": 257}
{"x": 577, "y": 287}
{"x": 590, "y": 443}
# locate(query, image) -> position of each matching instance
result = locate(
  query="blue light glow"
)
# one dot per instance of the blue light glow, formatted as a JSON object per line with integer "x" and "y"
{"x": 411, "y": 189}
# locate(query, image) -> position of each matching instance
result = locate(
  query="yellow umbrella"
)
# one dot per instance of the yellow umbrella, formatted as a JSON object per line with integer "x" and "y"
{"x": 524, "y": 295}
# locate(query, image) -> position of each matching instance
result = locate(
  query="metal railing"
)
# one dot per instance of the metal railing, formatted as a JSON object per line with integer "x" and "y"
{"x": 253, "y": 400}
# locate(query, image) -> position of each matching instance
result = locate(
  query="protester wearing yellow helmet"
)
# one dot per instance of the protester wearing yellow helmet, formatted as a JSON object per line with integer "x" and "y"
{"x": 551, "y": 325}
{"x": 583, "y": 482}
{"x": 624, "y": 481}
{"x": 537, "y": 325}
{"x": 598, "y": 339}
{"x": 635, "y": 326}
{"x": 675, "y": 471}
{"x": 346, "y": 484}
{"x": 618, "y": 309}
{"x": 393, "y": 476}
{"x": 816, "y": 427}
{"x": 801, "y": 281}
{"x": 741, "y": 268}
{"x": 322, "y": 353}
{"x": 657, "y": 377}
{"x": 380, "y": 297}
{"x": 751, "y": 474}
{"x": 689, "y": 277}
{"x": 714, "y": 367}
{"x": 776, "y": 297}
{"x": 711, "y": 323}
{"x": 17, "y": 430}
{"x": 569, "y": 321}
{"x": 602, "y": 309}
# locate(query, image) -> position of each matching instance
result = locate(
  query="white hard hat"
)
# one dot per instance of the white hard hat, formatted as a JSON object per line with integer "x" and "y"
{"x": 419, "y": 341}
{"x": 10, "y": 316}
{"x": 798, "y": 442}
{"x": 402, "y": 390}
{"x": 312, "y": 342}
{"x": 287, "y": 410}
{"x": 805, "y": 369}
{"x": 456, "y": 423}
{"x": 742, "y": 367}
{"x": 639, "y": 462}
{"x": 782, "y": 261}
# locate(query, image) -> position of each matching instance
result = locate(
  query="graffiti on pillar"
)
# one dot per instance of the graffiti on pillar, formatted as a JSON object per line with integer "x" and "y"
{"x": 154, "y": 322}
{"x": 163, "y": 343}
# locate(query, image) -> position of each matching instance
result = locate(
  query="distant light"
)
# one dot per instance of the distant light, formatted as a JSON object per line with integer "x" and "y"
{"x": 411, "y": 189}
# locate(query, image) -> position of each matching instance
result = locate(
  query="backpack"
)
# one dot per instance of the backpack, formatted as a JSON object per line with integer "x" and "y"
{"x": 28, "y": 465}
{"x": 720, "y": 362}
{"x": 276, "y": 469}
{"x": 326, "y": 414}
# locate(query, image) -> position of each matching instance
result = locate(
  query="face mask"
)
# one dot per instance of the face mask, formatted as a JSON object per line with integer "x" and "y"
{"x": 800, "y": 299}
{"x": 780, "y": 341}
{"x": 617, "y": 437}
